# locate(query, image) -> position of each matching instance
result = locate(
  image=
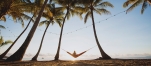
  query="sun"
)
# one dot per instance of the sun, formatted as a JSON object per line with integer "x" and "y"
{"x": 68, "y": 57}
{"x": 73, "y": 59}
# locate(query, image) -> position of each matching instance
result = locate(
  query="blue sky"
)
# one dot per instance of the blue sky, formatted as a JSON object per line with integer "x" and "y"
{"x": 121, "y": 36}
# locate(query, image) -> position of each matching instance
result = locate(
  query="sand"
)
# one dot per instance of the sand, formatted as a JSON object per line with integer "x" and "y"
{"x": 113, "y": 62}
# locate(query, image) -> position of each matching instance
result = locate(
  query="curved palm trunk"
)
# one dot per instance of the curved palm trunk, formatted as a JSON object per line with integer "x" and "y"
{"x": 18, "y": 55}
{"x": 36, "y": 56}
{"x": 58, "y": 50}
{"x": 7, "y": 5}
{"x": 104, "y": 55}
{"x": 2, "y": 55}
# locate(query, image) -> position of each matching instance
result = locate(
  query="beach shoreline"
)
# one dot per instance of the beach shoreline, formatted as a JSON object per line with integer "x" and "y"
{"x": 102, "y": 62}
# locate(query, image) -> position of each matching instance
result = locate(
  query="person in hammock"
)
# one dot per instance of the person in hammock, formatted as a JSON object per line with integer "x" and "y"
{"x": 75, "y": 55}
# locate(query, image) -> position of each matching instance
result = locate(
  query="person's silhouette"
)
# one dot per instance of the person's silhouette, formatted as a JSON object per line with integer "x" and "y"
{"x": 75, "y": 55}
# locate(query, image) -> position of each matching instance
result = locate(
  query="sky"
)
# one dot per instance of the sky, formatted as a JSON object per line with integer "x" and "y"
{"x": 121, "y": 36}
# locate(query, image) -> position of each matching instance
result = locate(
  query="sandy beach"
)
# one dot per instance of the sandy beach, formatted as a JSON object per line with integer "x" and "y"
{"x": 113, "y": 62}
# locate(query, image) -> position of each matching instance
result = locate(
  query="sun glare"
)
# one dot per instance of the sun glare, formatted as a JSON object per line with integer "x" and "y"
{"x": 73, "y": 59}
{"x": 70, "y": 58}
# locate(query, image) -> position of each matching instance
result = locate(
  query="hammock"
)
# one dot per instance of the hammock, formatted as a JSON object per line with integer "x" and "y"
{"x": 75, "y": 55}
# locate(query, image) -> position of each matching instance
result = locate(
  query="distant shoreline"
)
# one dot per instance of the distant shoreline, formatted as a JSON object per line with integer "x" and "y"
{"x": 111, "y": 62}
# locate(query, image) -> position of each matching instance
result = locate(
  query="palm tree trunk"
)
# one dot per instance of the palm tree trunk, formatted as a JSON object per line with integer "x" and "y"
{"x": 104, "y": 55}
{"x": 35, "y": 57}
{"x": 5, "y": 7}
{"x": 58, "y": 50}
{"x": 18, "y": 55}
{"x": 2, "y": 55}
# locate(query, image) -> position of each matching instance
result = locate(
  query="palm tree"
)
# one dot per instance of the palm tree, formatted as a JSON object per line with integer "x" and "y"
{"x": 3, "y": 43}
{"x": 5, "y": 6}
{"x": 68, "y": 5}
{"x": 1, "y": 26}
{"x": 56, "y": 17}
{"x": 135, "y": 3}
{"x": 34, "y": 10}
{"x": 18, "y": 55}
{"x": 15, "y": 9}
{"x": 3, "y": 54}
{"x": 1, "y": 40}
{"x": 97, "y": 6}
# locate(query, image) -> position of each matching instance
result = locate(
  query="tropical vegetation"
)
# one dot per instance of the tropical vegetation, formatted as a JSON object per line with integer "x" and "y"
{"x": 3, "y": 43}
{"x": 95, "y": 6}
{"x": 135, "y": 3}
{"x": 51, "y": 19}
{"x": 20, "y": 10}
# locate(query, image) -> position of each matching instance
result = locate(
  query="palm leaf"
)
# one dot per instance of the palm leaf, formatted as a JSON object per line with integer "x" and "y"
{"x": 97, "y": 11}
{"x": 105, "y": 4}
{"x": 58, "y": 21}
{"x": 81, "y": 9}
{"x": 104, "y": 11}
{"x": 26, "y": 17}
{"x": 144, "y": 6}
{"x": 1, "y": 40}
{"x": 1, "y": 26}
{"x": 96, "y": 2}
{"x": 68, "y": 15}
{"x": 20, "y": 20}
{"x": 129, "y": 2}
{"x": 3, "y": 18}
{"x": 8, "y": 41}
{"x": 126, "y": 4}
{"x": 43, "y": 22}
{"x": 86, "y": 16}
{"x": 149, "y": 1}
{"x": 134, "y": 5}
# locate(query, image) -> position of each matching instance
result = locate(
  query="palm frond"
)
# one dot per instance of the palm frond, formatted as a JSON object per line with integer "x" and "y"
{"x": 126, "y": 4}
{"x": 68, "y": 15}
{"x": 21, "y": 21}
{"x": 149, "y": 1}
{"x": 86, "y": 16}
{"x": 60, "y": 9}
{"x": 8, "y": 41}
{"x": 44, "y": 22}
{"x": 97, "y": 11}
{"x": 26, "y": 17}
{"x": 144, "y": 6}
{"x": 105, "y": 4}
{"x": 1, "y": 26}
{"x": 129, "y": 2}
{"x": 104, "y": 11}
{"x": 47, "y": 16}
{"x": 3, "y": 18}
{"x": 96, "y": 2}
{"x": 1, "y": 40}
{"x": 134, "y": 5}
{"x": 58, "y": 21}
{"x": 81, "y": 9}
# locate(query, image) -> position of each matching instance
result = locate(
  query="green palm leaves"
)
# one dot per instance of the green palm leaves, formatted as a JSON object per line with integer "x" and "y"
{"x": 15, "y": 9}
{"x": 97, "y": 6}
{"x": 135, "y": 3}
{"x": 1, "y": 26}
{"x": 3, "y": 43}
